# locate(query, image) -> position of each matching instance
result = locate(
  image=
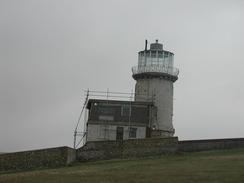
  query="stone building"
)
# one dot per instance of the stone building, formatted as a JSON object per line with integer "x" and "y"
{"x": 150, "y": 114}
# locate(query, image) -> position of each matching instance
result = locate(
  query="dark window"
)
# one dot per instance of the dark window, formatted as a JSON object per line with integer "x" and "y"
{"x": 120, "y": 133}
{"x": 132, "y": 132}
{"x": 106, "y": 110}
{"x": 125, "y": 110}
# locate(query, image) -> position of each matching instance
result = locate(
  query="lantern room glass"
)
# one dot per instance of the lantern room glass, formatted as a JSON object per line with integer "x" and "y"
{"x": 156, "y": 58}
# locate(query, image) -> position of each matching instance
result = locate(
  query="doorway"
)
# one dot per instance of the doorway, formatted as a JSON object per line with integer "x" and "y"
{"x": 120, "y": 133}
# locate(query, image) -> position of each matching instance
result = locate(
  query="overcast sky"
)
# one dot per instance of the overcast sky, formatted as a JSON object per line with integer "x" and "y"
{"x": 51, "y": 50}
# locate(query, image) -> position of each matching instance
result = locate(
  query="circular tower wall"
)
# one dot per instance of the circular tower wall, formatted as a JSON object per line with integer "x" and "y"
{"x": 154, "y": 77}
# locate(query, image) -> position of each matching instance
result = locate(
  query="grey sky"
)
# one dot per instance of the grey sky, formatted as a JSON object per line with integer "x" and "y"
{"x": 51, "y": 50}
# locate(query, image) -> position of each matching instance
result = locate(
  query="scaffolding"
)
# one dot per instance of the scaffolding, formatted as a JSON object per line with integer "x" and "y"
{"x": 80, "y": 132}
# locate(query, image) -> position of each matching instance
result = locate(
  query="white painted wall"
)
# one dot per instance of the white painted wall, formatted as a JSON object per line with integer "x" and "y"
{"x": 162, "y": 90}
{"x": 97, "y": 132}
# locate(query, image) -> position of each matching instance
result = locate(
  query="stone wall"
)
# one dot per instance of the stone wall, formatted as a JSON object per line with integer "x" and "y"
{"x": 127, "y": 148}
{"x": 100, "y": 150}
{"x": 210, "y": 144}
{"x": 43, "y": 158}
{"x": 151, "y": 147}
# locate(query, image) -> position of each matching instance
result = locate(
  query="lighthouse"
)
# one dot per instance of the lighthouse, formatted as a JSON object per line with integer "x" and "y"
{"x": 116, "y": 116}
{"x": 155, "y": 75}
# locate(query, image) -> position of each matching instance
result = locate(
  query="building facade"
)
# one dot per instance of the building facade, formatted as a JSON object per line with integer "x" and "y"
{"x": 118, "y": 120}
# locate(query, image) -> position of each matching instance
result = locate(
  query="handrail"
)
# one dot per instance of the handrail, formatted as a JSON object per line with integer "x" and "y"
{"x": 107, "y": 95}
{"x": 155, "y": 68}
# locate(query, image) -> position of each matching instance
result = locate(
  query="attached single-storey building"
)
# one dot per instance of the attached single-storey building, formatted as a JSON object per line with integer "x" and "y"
{"x": 118, "y": 120}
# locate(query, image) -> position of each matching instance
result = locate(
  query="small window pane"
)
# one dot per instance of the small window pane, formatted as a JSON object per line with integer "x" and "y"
{"x": 125, "y": 110}
{"x": 132, "y": 132}
{"x": 153, "y": 54}
{"x": 106, "y": 110}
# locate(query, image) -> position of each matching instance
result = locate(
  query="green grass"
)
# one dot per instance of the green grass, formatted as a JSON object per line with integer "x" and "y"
{"x": 223, "y": 166}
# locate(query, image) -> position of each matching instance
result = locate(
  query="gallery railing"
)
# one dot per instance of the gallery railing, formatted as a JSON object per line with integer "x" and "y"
{"x": 155, "y": 69}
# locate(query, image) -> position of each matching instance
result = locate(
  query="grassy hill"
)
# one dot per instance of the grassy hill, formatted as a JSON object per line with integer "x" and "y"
{"x": 225, "y": 166}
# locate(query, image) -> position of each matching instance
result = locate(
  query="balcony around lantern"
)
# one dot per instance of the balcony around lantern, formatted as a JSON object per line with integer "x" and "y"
{"x": 155, "y": 69}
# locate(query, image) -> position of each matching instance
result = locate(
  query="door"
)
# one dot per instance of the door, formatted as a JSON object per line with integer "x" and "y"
{"x": 120, "y": 133}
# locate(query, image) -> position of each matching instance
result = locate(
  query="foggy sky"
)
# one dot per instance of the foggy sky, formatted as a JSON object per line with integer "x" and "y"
{"x": 52, "y": 50}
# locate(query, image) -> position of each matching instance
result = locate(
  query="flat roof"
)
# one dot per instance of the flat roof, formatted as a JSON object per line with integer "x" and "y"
{"x": 90, "y": 101}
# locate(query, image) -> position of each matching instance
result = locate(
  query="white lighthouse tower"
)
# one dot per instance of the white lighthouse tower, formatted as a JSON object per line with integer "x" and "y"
{"x": 155, "y": 75}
